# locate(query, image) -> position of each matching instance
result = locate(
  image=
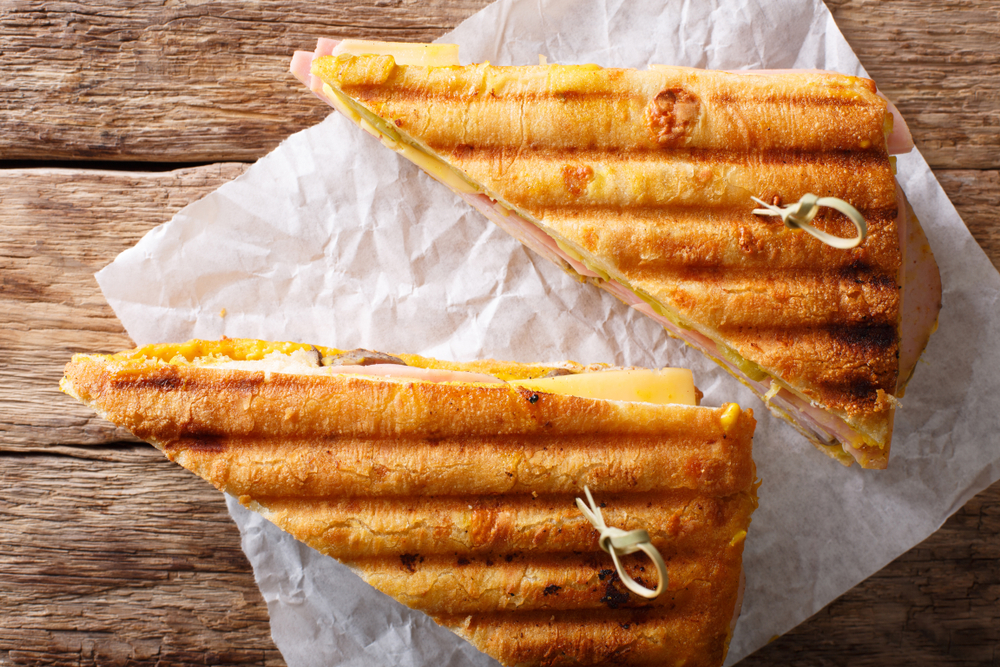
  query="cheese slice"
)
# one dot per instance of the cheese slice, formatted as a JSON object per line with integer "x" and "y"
{"x": 427, "y": 55}
{"x": 662, "y": 387}
{"x": 667, "y": 386}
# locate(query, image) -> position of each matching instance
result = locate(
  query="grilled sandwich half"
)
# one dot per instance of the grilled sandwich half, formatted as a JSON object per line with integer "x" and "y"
{"x": 640, "y": 182}
{"x": 451, "y": 486}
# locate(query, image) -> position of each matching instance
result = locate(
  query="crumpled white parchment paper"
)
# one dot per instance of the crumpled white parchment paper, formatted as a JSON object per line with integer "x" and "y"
{"x": 334, "y": 240}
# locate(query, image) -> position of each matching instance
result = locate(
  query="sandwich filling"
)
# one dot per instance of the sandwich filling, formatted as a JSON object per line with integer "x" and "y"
{"x": 665, "y": 386}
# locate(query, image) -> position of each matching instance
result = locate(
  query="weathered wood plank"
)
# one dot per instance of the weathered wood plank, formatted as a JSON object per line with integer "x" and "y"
{"x": 131, "y": 562}
{"x": 57, "y": 228}
{"x": 195, "y": 81}
{"x": 176, "y": 81}
{"x": 939, "y": 62}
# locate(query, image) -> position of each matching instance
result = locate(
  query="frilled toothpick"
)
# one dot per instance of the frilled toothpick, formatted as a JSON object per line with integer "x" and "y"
{"x": 800, "y": 214}
{"x": 616, "y": 541}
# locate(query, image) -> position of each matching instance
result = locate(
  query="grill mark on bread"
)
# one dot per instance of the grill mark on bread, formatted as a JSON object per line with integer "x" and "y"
{"x": 695, "y": 215}
{"x": 193, "y": 440}
{"x": 793, "y": 298}
{"x": 862, "y": 385}
{"x": 403, "y": 91}
{"x": 647, "y": 636}
{"x": 519, "y": 587}
{"x": 846, "y": 366}
{"x": 875, "y": 338}
{"x": 853, "y": 161}
{"x": 797, "y": 100}
{"x": 869, "y": 341}
{"x": 367, "y": 468}
{"x": 718, "y": 274}
{"x": 164, "y": 379}
{"x": 741, "y": 252}
{"x": 537, "y": 185}
{"x": 859, "y": 393}
{"x": 504, "y": 525}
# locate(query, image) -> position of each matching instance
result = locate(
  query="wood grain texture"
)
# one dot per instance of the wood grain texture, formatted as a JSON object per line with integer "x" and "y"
{"x": 939, "y": 62}
{"x": 176, "y": 81}
{"x": 134, "y": 561}
{"x": 976, "y": 195}
{"x": 57, "y": 228}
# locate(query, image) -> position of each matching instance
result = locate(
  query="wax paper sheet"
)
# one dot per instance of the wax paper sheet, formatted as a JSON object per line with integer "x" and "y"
{"x": 332, "y": 239}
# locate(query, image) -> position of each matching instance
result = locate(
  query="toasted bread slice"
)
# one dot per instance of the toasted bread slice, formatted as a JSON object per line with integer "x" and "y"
{"x": 454, "y": 493}
{"x": 641, "y": 183}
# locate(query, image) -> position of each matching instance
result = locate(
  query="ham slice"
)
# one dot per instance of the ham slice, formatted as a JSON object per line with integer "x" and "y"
{"x": 299, "y": 363}
{"x": 921, "y": 282}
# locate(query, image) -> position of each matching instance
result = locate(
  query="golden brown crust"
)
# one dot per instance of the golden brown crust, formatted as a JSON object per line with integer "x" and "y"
{"x": 576, "y": 107}
{"x": 458, "y": 499}
{"x": 648, "y": 175}
{"x": 614, "y": 637}
{"x": 681, "y": 521}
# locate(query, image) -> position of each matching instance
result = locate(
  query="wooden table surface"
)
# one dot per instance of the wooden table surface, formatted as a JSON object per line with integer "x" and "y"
{"x": 117, "y": 113}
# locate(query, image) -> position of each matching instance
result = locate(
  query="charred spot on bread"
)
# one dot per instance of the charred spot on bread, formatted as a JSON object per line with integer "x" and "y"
{"x": 670, "y": 115}
{"x": 410, "y": 561}
{"x": 576, "y": 178}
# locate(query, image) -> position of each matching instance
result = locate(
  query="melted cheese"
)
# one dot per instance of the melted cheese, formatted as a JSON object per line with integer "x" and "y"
{"x": 427, "y": 55}
{"x": 663, "y": 387}
{"x": 438, "y": 169}
{"x": 339, "y": 104}
{"x": 730, "y": 415}
{"x": 666, "y": 386}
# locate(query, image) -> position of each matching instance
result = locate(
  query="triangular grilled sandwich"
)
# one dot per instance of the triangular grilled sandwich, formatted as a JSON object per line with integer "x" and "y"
{"x": 642, "y": 182}
{"x": 451, "y": 486}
